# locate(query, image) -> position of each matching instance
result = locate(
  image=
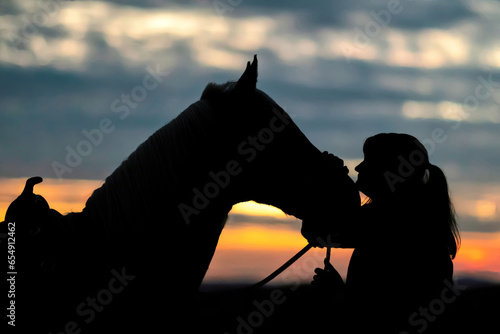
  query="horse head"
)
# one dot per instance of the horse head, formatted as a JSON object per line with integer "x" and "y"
{"x": 279, "y": 166}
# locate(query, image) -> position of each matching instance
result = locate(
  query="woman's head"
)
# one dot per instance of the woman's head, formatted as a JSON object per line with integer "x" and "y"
{"x": 394, "y": 163}
{"x": 396, "y": 169}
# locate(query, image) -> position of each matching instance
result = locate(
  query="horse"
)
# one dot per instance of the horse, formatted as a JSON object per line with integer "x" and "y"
{"x": 151, "y": 230}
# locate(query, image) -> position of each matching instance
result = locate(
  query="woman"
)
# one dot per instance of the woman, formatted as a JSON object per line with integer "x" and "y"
{"x": 405, "y": 239}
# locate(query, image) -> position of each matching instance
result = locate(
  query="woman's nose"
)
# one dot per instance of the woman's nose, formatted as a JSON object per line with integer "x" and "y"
{"x": 358, "y": 167}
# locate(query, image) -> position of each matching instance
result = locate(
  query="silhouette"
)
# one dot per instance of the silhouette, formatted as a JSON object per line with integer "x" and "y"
{"x": 400, "y": 273}
{"x": 134, "y": 257}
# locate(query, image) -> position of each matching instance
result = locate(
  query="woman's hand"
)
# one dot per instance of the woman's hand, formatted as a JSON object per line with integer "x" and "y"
{"x": 328, "y": 278}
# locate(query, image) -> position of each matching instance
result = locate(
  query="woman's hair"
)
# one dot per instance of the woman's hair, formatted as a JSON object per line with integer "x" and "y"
{"x": 442, "y": 208}
{"x": 412, "y": 178}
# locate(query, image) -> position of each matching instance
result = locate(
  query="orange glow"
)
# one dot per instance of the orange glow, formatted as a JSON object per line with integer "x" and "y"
{"x": 249, "y": 251}
{"x": 485, "y": 210}
{"x": 479, "y": 252}
{"x": 472, "y": 254}
{"x": 261, "y": 237}
{"x": 257, "y": 209}
{"x": 66, "y": 196}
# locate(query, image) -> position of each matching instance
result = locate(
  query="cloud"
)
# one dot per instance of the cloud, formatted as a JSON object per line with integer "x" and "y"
{"x": 410, "y": 16}
{"x": 61, "y": 104}
{"x": 242, "y": 219}
{"x": 10, "y": 7}
{"x": 295, "y": 34}
{"x": 471, "y": 224}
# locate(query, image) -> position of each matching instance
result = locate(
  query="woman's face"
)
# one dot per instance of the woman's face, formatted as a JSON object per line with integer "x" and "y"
{"x": 372, "y": 176}
{"x": 389, "y": 166}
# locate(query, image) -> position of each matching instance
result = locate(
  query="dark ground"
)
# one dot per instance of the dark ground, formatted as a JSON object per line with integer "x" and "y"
{"x": 292, "y": 309}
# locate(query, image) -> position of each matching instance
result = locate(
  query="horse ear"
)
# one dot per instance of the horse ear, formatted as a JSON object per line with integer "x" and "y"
{"x": 248, "y": 80}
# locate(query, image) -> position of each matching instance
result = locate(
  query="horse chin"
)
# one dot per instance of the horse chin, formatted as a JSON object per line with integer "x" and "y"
{"x": 311, "y": 232}
{"x": 319, "y": 229}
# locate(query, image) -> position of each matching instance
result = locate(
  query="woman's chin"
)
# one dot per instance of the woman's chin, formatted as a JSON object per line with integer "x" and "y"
{"x": 359, "y": 185}
{"x": 363, "y": 189}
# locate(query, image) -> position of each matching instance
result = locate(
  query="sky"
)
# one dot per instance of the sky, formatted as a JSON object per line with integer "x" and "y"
{"x": 110, "y": 73}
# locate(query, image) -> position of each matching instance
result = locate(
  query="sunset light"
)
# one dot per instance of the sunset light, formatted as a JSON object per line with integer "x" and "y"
{"x": 257, "y": 209}
{"x": 486, "y": 210}
{"x": 242, "y": 244}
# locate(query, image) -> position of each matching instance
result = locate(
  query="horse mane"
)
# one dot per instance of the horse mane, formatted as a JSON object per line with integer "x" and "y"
{"x": 147, "y": 181}
{"x": 152, "y": 181}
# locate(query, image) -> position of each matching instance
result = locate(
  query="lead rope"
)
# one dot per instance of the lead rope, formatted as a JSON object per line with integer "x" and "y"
{"x": 282, "y": 268}
{"x": 328, "y": 265}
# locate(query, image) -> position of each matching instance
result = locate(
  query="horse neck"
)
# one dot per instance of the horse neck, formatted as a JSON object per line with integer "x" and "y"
{"x": 148, "y": 184}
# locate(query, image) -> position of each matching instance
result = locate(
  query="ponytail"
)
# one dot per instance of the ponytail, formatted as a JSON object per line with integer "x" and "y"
{"x": 442, "y": 208}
